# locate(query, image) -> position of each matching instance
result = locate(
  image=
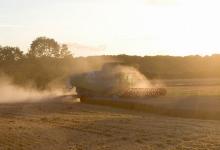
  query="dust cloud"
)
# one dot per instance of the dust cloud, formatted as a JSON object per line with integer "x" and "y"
{"x": 137, "y": 80}
{"x": 114, "y": 70}
{"x": 89, "y": 64}
{"x": 10, "y": 93}
{"x": 135, "y": 77}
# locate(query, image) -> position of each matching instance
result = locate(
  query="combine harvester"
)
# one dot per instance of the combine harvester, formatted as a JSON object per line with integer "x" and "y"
{"x": 115, "y": 85}
{"x": 119, "y": 85}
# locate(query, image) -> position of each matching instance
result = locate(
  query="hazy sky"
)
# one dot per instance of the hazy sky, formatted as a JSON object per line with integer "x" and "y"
{"x": 134, "y": 27}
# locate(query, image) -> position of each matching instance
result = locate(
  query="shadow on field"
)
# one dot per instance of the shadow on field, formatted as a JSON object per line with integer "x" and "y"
{"x": 201, "y": 107}
{"x": 61, "y": 104}
{"x": 188, "y": 107}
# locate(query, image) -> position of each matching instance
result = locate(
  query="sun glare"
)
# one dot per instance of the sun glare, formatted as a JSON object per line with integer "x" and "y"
{"x": 143, "y": 27}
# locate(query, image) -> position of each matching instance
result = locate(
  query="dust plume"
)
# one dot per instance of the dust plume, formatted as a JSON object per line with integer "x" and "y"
{"x": 137, "y": 79}
{"x": 92, "y": 63}
{"x": 10, "y": 93}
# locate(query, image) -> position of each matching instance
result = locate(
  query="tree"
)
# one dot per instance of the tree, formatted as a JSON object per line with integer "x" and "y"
{"x": 43, "y": 46}
{"x": 8, "y": 53}
{"x": 64, "y": 51}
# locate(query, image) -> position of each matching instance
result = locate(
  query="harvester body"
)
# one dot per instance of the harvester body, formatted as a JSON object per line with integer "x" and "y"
{"x": 113, "y": 80}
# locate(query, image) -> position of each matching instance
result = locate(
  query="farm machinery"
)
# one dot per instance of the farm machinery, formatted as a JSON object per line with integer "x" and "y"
{"x": 114, "y": 81}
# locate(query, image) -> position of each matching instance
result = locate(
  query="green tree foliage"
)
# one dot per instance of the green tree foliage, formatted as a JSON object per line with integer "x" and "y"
{"x": 43, "y": 46}
{"x": 48, "y": 47}
{"x": 64, "y": 51}
{"x": 42, "y": 71}
{"x": 8, "y": 53}
{"x": 165, "y": 67}
{"x": 52, "y": 63}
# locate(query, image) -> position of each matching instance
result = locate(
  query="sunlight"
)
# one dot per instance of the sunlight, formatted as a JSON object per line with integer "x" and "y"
{"x": 143, "y": 27}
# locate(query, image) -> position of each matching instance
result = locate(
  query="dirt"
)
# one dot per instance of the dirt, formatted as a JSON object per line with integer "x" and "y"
{"x": 66, "y": 124}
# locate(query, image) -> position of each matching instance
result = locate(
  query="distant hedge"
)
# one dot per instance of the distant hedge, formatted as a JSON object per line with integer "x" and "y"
{"x": 46, "y": 71}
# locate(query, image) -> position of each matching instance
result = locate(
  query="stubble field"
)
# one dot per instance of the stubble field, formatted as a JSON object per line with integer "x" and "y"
{"x": 63, "y": 123}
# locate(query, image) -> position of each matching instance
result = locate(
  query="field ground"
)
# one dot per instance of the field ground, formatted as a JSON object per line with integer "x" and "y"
{"x": 64, "y": 124}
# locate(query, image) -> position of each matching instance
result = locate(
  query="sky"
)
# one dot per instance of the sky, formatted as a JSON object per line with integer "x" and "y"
{"x": 111, "y": 27}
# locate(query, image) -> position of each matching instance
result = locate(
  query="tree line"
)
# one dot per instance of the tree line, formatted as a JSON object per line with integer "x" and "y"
{"x": 45, "y": 62}
{"x": 48, "y": 63}
{"x": 40, "y": 47}
{"x": 167, "y": 67}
